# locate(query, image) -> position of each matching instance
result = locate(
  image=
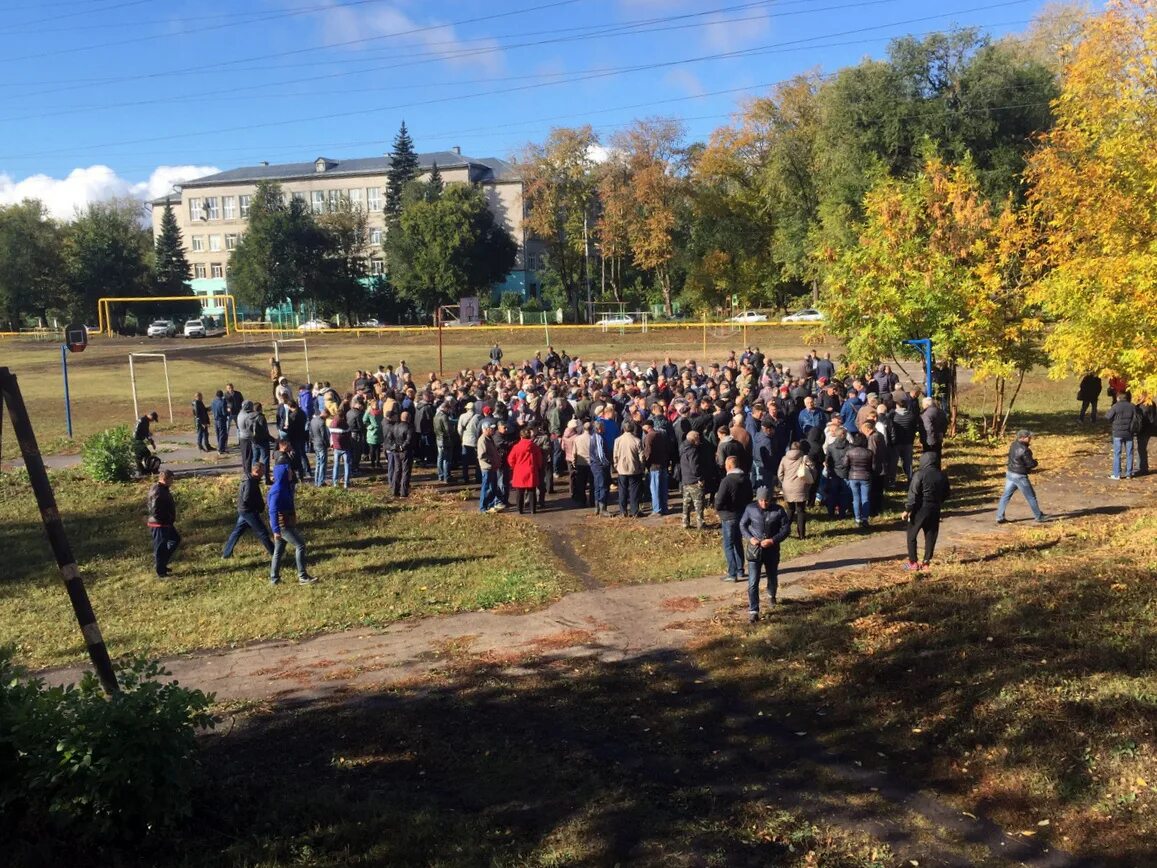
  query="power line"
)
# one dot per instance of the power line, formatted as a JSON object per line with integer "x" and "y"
{"x": 759, "y": 50}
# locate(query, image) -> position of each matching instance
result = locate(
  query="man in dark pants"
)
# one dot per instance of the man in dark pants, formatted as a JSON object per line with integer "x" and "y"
{"x": 201, "y": 422}
{"x": 162, "y": 518}
{"x": 733, "y": 496}
{"x": 234, "y": 401}
{"x": 1088, "y": 393}
{"x": 764, "y": 526}
{"x": 926, "y": 495}
{"x": 402, "y": 444}
{"x": 250, "y": 505}
{"x": 220, "y": 410}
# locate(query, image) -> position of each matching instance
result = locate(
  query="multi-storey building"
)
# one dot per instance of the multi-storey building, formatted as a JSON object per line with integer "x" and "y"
{"x": 212, "y": 212}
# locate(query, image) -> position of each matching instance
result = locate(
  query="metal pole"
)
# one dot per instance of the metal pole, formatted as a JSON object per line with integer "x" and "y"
{"x": 54, "y": 529}
{"x": 168, "y": 391}
{"x": 305, "y": 349}
{"x": 133, "y": 380}
{"x": 67, "y": 402}
{"x": 438, "y": 323}
{"x": 703, "y": 359}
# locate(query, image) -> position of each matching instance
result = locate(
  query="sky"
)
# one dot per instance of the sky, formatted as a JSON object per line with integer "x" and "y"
{"x": 102, "y": 98}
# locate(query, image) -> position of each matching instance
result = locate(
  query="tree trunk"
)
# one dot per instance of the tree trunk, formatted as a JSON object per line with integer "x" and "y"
{"x": 953, "y": 403}
{"x": 1011, "y": 401}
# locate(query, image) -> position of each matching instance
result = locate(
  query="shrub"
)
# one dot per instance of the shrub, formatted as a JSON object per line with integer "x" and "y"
{"x": 511, "y": 301}
{"x": 99, "y": 769}
{"x": 109, "y": 457}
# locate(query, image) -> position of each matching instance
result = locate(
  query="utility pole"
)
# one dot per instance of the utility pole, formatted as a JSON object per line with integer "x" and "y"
{"x": 54, "y": 529}
{"x": 587, "y": 266}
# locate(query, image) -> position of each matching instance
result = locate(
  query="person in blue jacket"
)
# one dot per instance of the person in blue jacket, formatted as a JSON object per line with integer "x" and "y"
{"x": 219, "y": 410}
{"x": 283, "y": 517}
{"x": 764, "y": 526}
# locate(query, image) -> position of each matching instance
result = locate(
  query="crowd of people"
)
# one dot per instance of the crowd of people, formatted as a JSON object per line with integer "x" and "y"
{"x": 743, "y": 434}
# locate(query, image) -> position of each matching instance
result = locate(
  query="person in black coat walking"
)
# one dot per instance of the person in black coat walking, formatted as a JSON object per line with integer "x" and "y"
{"x": 1087, "y": 394}
{"x": 201, "y": 422}
{"x": 764, "y": 526}
{"x": 250, "y": 506}
{"x": 731, "y": 499}
{"x": 926, "y": 495}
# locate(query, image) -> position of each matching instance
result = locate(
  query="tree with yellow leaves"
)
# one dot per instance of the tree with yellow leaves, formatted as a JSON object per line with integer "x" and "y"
{"x": 1093, "y": 195}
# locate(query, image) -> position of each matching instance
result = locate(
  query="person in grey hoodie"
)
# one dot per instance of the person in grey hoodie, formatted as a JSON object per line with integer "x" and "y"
{"x": 245, "y": 436}
{"x": 468, "y": 435}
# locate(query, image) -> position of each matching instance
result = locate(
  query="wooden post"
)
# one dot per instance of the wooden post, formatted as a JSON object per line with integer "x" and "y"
{"x": 438, "y": 323}
{"x": 54, "y": 529}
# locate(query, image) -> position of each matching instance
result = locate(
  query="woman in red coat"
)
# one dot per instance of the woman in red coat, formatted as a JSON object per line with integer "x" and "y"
{"x": 525, "y": 460}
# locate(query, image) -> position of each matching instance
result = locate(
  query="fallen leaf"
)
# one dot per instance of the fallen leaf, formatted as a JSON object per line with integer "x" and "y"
{"x": 1043, "y": 823}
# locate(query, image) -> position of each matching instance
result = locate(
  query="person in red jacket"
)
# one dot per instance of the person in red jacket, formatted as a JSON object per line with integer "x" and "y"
{"x": 526, "y": 465}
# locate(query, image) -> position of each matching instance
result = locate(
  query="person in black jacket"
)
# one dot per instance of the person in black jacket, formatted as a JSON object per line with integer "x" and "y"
{"x": 1148, "y": 413}
{"x": 250, "y": 506}
{"x": 201, "y": 422}
{"x": 763, "y": 526}
{"x": 926, "y": 495}
{"x": 1126, "y": 423}
{"x": 693, "y": 462}
{"x": 1020, "y": 465}
{"x": 162, "y": 522}
{"x": 401, "y": 443}
{"x": 1087, "y": 394}
{"x": 731, "y": 499}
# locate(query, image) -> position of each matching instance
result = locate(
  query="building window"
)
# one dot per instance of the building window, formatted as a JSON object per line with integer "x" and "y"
{"x": 199, "y": 270}
{"x": 230, "y": 207}
{"x": 214, "y": 243}
{"x": 318, "y": 201}
{"x": 334, "y": 200}
{"x": 374, "y": 198}
{"x": 217, "y": 271}
{"x": 377, "y": 266}
{"x": 355, "y": 197}
{"x": 213, "y": 206}
{"x": 198, "y": 242}
{"x": 244, "y": 200}
{"x": 231, "y": 242}
{"x": 376, "y": 236}
{"x": 195, "y": 211}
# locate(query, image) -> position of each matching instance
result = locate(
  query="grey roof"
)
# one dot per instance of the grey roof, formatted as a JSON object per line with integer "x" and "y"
{"x": 489, "y": 169}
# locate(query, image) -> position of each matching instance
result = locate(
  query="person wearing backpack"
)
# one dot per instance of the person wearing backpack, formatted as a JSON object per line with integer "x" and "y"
{"x": 1126, "y": 424}
{"x": 797, "y": 473}
{"x": 926, "y": 495}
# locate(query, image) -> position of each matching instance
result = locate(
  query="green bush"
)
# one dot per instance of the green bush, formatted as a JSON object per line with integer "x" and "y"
{"x": 93, "y": 768}
{"x": 511, "y": 301}
{"x": 109, "y": 457}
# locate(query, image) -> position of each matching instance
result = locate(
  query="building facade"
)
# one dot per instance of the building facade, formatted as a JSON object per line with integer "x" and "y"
{"x": 212, "y": 212}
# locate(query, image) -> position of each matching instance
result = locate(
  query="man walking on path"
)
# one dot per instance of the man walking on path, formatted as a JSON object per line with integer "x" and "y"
{"x": 1020, "y": 465}
{"x": 249, "y": 506}
{"x": 162, "y": 521}
{"x": 283, "y": 519}
{"x": 733, "y": 496}
{"x": 1126, "y": 424}
{"x": 1087, "y": 394}
{"x": 926, "y": 495}
{"x": 764, "y": 526}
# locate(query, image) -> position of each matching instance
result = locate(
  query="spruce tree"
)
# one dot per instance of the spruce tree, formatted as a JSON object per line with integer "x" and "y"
{"x": 435, "y": 181}
{"x": 403, "y": 169}
{"x": 172, "y": 272}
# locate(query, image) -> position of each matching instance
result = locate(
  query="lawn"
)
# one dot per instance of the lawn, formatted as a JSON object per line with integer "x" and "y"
{"x": 1021, "y": 680}
{"x": 377, "y": 562}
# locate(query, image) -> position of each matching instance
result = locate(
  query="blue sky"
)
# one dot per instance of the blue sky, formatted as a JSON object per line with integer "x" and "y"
{"x": 123, "y": 97}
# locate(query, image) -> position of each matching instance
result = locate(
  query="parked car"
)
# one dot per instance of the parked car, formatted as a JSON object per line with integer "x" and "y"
{"x": 370, "y": 324}
{"x": 195, "y": 328}
{"x": 808, "y": 314}
{"x": 749, "y": 316}
{"x": 615, "y": 320}
{"x": 314, "y": 325}
{"x": 162, "y": 328}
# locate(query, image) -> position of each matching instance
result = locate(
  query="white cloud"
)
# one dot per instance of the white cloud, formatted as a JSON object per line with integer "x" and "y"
{"x": 730, "y": 34}
{"x": 63, "y": 197}
{"x": 347, "y": 24}
{"x": 685, "y": 80}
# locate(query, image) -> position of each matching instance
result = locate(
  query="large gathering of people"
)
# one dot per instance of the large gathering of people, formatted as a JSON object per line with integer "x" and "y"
{"x": 742, "y": 435}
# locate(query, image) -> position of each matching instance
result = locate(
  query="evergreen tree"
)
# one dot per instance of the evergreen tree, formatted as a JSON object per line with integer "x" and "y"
{"x": 403, "y": 169}
{"x": 435, "y": 181}
{"x": 172, "y": 273}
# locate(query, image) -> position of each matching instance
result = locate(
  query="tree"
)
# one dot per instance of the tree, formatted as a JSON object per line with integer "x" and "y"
{"x": 650, "y": 154}
{"x": 279, "y": 257}
{"x": 108, "y": 252}
{"x": 1092, "y": 186}
{"x": 448, "y": 246}
{"x": 403, "y": 169}
{"x": 559, "y": 190}
{"x": 172, "y": 272}
{"x": 32, "y": 271}
{"x": 932, "y": 261}
{"x": 341, "y": 279}
{"x": 434, "y": 182}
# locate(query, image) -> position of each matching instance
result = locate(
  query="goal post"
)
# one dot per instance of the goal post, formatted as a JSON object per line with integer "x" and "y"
{"x": 223, "y": 300}
{"x": 277, "y": 344}
{"x": 133, "y": 380}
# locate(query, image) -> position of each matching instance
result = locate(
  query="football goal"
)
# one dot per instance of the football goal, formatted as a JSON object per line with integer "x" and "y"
{"x": 278, "y": 344}
{"x": 133, "y": 379}
{"x": 226, "y": 303}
